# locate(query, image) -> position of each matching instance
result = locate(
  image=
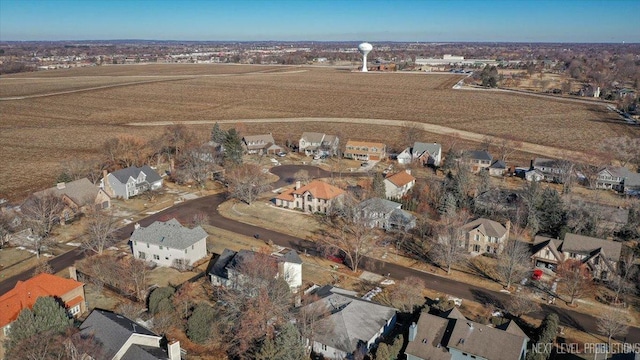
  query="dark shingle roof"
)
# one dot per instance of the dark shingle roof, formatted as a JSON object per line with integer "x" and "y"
{"x": 487, "y": 227}
{"x": 498, "y": 164}
{"x": 170, "y": 234}
{"x": 81, "y": 191}
{"x": 585, "y": 244}
{"x": 133, "y": 171}
{"x": 479, "y": 155}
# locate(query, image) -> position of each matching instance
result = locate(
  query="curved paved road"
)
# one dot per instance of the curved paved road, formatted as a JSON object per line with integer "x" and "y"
{"x": 209, "y": 205}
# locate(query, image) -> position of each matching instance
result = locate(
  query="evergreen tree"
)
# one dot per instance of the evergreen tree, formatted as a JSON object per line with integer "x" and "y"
{"x": 157, "y": 296}
{"x": 551, "y": 213}
{"x": 199, "y": 323}
{"x": 285, "y": 346}
{"x": 448, "y": 205}
{"x": 545, "y": 334}
{"x": 47, "y": 316}
{"x": 218, "y": 135}
{"x": 233, "y": 147}
{"x": 378, "y": 188}
{"x": 485, "y": 182}
{"x": 395, "y": 348}
{"x": 23, "y": 328}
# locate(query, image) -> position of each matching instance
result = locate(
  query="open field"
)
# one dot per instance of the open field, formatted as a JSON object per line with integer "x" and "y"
{"x": 38, "y": 133}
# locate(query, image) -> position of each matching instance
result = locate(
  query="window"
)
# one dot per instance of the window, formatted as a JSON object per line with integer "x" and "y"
{"x": 156, "y": 257}
{"x": 324, "y": 347}
{"x": 135, "y": 243}
{"x": 476, "y": 248}
{"x": 477, "y": 237}
{"x": 547, "y": 252}
{"x": 142, "y": 255}
{"x": 192, "y": 247}
{"x": 7, "y": 330}
{"x": 160, "y": 247}
{"x": 185, "y": 250}
{"x": 488, "y": 249}
{"x": 75, "y": 310}
{"x": 147, "y": 245}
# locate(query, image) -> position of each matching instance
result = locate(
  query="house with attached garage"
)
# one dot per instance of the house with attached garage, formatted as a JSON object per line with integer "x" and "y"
{"x": 485, "y": 236}
{"x": 313, "y": 143}
{"x": 452, "y": 337}
{"x": 131, "y": 181}
{"x": 601, "y": 256}
{"x": 427, "y": 153}
{"x": 477, "y": 160}
{"x": 25, "y": 293}
{"x": 398, "y": 185}
{"x": 498, "y": 168}
{"x": 78, "y": 196}
{"x": 619, "y": 179}
{"x": 169, "y": 244}
{"x": 260, "y": 144}
{"x": 315, "y": 197}
{"x": 121, "y": 338}
{"x": 553, "y": 170}
{"x": 386, "y": 214}
{"x": 350, "y": 327}
{"x": 365, "y": 150}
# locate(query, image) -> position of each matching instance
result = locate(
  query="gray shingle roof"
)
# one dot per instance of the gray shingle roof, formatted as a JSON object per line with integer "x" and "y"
{"x": 170, "y": 234}
{"x": 123, "y": 175}
{"x": 498, "y": 164}
{"x": 586, "y": 245}
{"x": 487, "y": 227}
{"x": 81, "y": 191}
{"x": 379, "y": 205}
{"x": 112, "y": 331}
{"x": 313, "y": 137}
{"x": 431, "y": 338}
{"x": 419, "y": 148}
{"x": 479, "y": 155}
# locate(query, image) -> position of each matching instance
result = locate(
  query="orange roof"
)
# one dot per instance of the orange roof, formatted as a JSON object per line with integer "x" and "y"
{"x": 286, "y": 195}
{"x": 25, "y": 293}
{"x": 75, "y": 301}
{"x": 365, "y": 143}
{"x": 320, "y": 190}
{"x": 401, "y": 179}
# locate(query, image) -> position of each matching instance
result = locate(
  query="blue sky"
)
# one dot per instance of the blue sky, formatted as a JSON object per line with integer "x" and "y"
{"x": 331, "y": 20}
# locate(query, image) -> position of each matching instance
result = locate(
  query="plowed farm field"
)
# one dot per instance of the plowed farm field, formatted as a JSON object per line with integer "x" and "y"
{"x": 52, "y": 116}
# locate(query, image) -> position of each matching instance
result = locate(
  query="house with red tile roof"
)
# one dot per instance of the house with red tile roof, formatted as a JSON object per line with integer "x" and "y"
{"x": 399, "y": 184}
{"x": 25, "y": 293}
{"x": 315, "y": 197}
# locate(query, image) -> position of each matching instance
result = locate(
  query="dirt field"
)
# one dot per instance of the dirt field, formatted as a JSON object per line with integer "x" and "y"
{"x": 38, "y": 133}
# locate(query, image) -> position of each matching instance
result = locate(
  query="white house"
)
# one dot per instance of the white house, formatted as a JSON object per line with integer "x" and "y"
{"x": 130, "y": 181}
{"x": 399, "y": 184}
{"x": 351, "y": 324}
{"x": 169, "y": 243}
{"x": 226, "y": 271}
{"x": 386, "y": 214}
{"x": 405, "y": 157}
{"x": 315, "y": 197}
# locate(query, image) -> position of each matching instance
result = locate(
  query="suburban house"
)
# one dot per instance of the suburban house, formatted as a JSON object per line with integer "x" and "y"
{"x": 351, "y": 325}
{"x": 619, "y": 179}
{"x": 600, "y": 256}
{"x": 427, "y": 153}
{"x": 226, "y": 271}
{"x": 131, "y": 181}
{"x": 169, "y": 243}
{"x": 485, "y": 236}
{"x": 498, "y": 168}
{"x": 25, "y": 293}
{"x": 365, "y": 151}
{"x": 78, "y": 197}
{"x": 477, "y": 159}
{"x": 553, "y": 170}
{"x": 386, "y": 214}
{"x": 313, "y": 143}
{"x": 453, "y": 337}
{"x": 405, "y": 157}
{"x": 315, "y": 197}
{"x": 534, "y": 175}
{"x": 398, "y": 185}
{"x": 260, "y": 144}
{"x": 123, "y": 339}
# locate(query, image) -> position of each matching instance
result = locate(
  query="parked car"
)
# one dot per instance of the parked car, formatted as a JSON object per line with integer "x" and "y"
{"x": 537, "y": 274}
{"x": 282, "y": 154}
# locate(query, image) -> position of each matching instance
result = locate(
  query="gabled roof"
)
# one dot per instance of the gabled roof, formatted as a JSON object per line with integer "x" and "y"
{"x": 112, "y": 331}
{"x": 554, "y": 245}
{"x": 400, "y": 179}
{"x": 432, "y": 334}
{"x": 479, "y": 155}
{"x": 230, "y": 259}
{"x": 123, "y": 175}
{"x": 420, "y": 148}
{"x": 351, "y": 320}
{"x": 170, "y": 234}
{"x": 81, "y": 191}
{"x": 498, "y": 164}
{"x": 586, "y": 245}
{"x": 329, "y": 139}
{"x": 259, "y": 139}
{"x": 365, "y": 143}
{"x": 286, "y": 195}
{"x": 313, "y": 137}
{"x": 25, "y": 293}
{"x": 486, "y": 227}
{"x": 378, "y": 205}
{"x": 320, "y": 190}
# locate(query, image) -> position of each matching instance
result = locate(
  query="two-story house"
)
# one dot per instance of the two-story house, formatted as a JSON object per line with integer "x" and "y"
{"x": 169, "y": 244}
{"x": 365, "y": 150}
{"x": 260, "y": 144}
{"x": 601, "y": 256}
{"x": 25, "y": 293}
{"x": 350, "y": 325}
{"x": 477, "y": 160}
{"x": 398, "y": 185}
{"x": 427, "y": 153}
{"x": 619, "y": 179}
{"x": 313, "y": 143}
{"x": 452, "y": 337}
{"x": 485, "y": 236}
{"x": 227, "y": 270}
{"x": 131, "y": 181}
{"x": 552, "y": 170}
{"x": 315, "y": 197}
{"x": 78, "y": 197}
{"x": 386, "y": 214}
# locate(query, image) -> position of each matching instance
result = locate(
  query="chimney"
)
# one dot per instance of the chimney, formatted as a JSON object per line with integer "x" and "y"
{"x": 60, "y": 185}
{"x": 413, "y": 331}
{"x": 531, "y": 165}
{"x": 173, "y": 348}
{"x": 72, "y": 273}
{"x": 298, "y": 185}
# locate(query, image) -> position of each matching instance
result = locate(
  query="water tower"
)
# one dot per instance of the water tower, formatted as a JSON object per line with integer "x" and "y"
{"x": 364, "y": 49}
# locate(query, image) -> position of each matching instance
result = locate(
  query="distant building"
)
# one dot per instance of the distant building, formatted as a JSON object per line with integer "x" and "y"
{"x": 552, "y": 170}
{"x": 619, "y": 179}
{"x": 260, "y": 144}
{"x": 386, "y": 214}
{"x": 365, "y": 150}
{"x": 315, "y": 197}
{"x": 478, "y": 160}
{"x": 313, "y": 143}
{"x": 131, "y": 181}
{"x": 78, "y": 196}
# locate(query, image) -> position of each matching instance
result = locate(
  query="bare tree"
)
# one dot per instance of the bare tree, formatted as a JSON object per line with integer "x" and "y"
{"x": 521, "y": 304}
{"x": 348, "y": 231}
{"x": 506, "y": 146}
{"x": 513, "y": 261}
{"x": 612, "y": 323}
{"x": 449, "y": 243}
{"x": 246, "y": 182}
{"x": 126, "y": 150}
{"x": 575, "y": 280}
{"x": 407, "y": 294}
{"x": 99, "y": 232}
{"x": 197, "y": 165}
{"x": 43, "y": 267}
{"x": 625, "y": 149}
{"x": 132, "y": 310}
{"x": 623, "y": 282}
{"x": 199, "y": 219}
{"x": 303, "y": 176}
{"x": 41, "y": 214}
{"x": 309, "y": 319}
{"x": 411, "y": 131}
{"x": 566, "y": 168}
{"x": 137, "y": 275}
{"x": 178, "y": 137}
